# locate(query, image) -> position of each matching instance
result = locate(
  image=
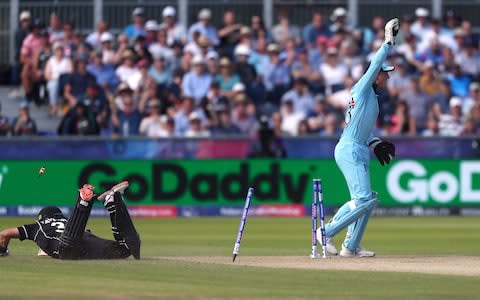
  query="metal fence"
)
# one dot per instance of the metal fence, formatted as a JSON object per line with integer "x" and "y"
{"x": 85, "y": 13}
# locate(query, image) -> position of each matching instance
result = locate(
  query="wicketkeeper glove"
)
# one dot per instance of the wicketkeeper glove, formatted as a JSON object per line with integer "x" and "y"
{"x": 3, "y": 251}
{"x": 391, "y": 31}
{"x": 385, "y": 151}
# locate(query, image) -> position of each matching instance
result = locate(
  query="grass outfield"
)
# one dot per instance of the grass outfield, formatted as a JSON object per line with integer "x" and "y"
{"x": 25, "y": 276}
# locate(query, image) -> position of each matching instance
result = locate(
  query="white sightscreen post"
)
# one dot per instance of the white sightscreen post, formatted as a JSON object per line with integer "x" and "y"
{"x": 353, "y": 12}
{"x": 97, "y": 12}
{"x": 14, "y": 13}
{"x": 437, "y": 8}
{"x": 183, "y": 12}
{"x": 268, "y": 13}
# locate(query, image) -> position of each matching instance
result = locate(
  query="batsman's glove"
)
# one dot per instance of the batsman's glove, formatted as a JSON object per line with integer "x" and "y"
{"x": 391, "y": 31}
{"x": 385, "y": 151}
{"x": 3, "y": 251}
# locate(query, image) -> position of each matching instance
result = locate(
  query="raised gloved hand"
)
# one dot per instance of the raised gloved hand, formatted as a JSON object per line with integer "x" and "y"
{"x": 385, "y": 151}
{"x": 391, "y": 31}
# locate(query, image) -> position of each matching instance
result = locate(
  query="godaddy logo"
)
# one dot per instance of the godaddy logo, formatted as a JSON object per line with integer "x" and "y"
{"x": 411, "y": 181}
{"x": 3, "y": 172}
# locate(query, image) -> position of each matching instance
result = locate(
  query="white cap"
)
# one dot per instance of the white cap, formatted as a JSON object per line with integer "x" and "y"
{"x": 238, "y": 87}
{"x": 194, "y": 116}
{"x": 338, "y": 12}
{"x": 198, "y": 60}
{"x": 25, "y": 15}
{"x": 106, "y": 37}
{"x": 138, "y": 11}
{"x": 242, "y": 50}
{"x": 169, "y": 11}
{"x": 212, "y": 55}
{"x": 190, "y": 48}
{"x": 421, "y": 12}
{"x": 204, "y": 13}
{"x": 273, "y": 48}
{"x": 151, "y": 25}
{"x": 455, "y": 101}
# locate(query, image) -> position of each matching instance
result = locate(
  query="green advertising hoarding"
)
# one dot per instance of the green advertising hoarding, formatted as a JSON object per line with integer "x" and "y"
{"x": 225, "y": 182}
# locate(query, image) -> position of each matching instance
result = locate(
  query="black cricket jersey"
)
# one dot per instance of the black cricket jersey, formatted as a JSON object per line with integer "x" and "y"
{"x": 46, "y": 233}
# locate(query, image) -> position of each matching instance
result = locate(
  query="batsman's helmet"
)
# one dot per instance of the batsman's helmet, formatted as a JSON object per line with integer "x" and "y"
{"x": 50, "y": 212}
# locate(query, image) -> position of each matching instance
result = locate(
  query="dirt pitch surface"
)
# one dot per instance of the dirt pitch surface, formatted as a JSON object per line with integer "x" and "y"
{"x": 446, "y": 265}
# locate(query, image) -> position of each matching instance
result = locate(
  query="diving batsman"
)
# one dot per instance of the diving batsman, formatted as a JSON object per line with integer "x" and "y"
{"x": 352, "y": 152}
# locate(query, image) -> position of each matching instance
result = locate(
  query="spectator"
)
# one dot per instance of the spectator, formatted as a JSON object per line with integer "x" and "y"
{"x": 160, "y": 47}
{"x": 94, "y": 100}
{"x": 300, "y": 96}
{"x": 452, "y": 124}
{"x": 5, "y": 127}
{"x": 23, "y": 124}
{"x": 225, "y": 127}
{"x": 39, "y": 85}
{"x": 30, "y": 44}
{"x": 469, "y": 60}
{"x": 195, "y": 129}
{"x": 290, "y": 117}
{"x": 212, "y": 63}
{"x": 373, "y": 33}
{"x": 78, "y": 121}
{"x": 302, "y": 68}
{"x": 55, "y": 30}
{"x": 126, "y": 119}
{"x": 313, "y": 30}
{"x": 56, "y": 66}
{"x": 339, "y": 100}
{"x": 182, "y": 123}
{"x": 108, "y": 53}
{"x": 429, "y": 81}
{"x": 276, "y": 75}
{"x": 204, "y": 27}
{"x": 331, "y": 126}
{"x": 473, "y": 99}
{"x": 104, "y": 73}
{"x": 259, "y": 57}
{"x": 469, "y": 128}
{"x": 339, "y": 20}
{"x": 128, "y": 72}
{"x": 175, "y": 32}
{"x": 151, "y": 29}
{"x": 197, "y": 82}
{"x": 153, "y": 125}
{"x": 276, "y": 124}
{"x": 304, "y": 128}
{"x": 242, "y": 118}
{"x": 229, "y": 34}
{"x": 443, "y": 95}
{"x": 421, "y": 26}
{"x": 289, "y": 53}
{"x": 138, "y": 24}
{"x": 246, "y": 71}
{"x": 418, "y": 102}
{"x": 258, "y": 29}
{"x": 333, "y": 72}
{"x": 402, "y": 123}
{"x": 460, "y": 82}
{"x": 317, "y": 53}
{"x": 68, "y": 40}
{"x": 159, "y": 71}
{"x": 267, "y": 143}
{"x": 94, "y": 39}
{"x": 226, "y": 78}
{"x": 20, "y": 34}
{"x": 432, "y": 128}
{"x": 316, "y": 118}
{"x": 405, "y": 26}
{"x": 399, "y": 82}
{"x": 284, "y": 31}
{"x": 140, "y": 49}
{"x": 77, "y": 82}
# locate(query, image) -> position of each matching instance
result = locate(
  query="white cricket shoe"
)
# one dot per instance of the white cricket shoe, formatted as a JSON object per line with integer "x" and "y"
{"x": 331, "y": 249}
{"x": 120, "y": 187}
{"x": 360, "y": 252}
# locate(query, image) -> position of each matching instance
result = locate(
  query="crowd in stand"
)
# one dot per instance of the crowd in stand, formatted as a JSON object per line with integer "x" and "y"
{"x": 159, "y": 79}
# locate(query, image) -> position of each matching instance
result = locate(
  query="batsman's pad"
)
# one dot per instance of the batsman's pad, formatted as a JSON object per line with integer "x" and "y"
{"x": 125, "y": 226}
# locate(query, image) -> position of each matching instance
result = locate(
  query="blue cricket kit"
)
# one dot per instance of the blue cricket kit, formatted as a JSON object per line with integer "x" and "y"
{"x": 352, "y": 155}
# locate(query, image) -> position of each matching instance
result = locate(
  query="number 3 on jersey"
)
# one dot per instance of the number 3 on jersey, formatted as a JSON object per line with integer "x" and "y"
{"x": 59, "y": 225}
{"x": 348, "y": 115}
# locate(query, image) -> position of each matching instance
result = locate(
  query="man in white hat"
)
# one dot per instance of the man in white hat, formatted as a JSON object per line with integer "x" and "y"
{"x": 20, "y": 35}
{"x": 204, "y": 27}
{"x": 138, "y": 24}
{"x": 196, "y": 83}
{"x": 93, "y": 39}
{"x": 451, "y": 124}
{"x": 421, "y": 27}
{"x": 352, "y": 153}
{"x": 175, "y": 31}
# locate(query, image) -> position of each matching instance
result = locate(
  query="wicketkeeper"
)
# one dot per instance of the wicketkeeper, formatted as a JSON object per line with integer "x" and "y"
{"x": 67, "y": 239}
{"x": 352, "y": 152}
